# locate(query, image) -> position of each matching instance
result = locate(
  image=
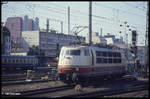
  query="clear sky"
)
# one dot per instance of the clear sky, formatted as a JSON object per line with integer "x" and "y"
{"x": 106, "y": 15}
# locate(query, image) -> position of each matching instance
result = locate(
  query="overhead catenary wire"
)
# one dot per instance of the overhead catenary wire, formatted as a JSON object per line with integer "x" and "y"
{"x": 95, "y": 16}
{"x": 121, "y": 10}
{"x": 105, "y": 18}
{"x": 59, "y": 10}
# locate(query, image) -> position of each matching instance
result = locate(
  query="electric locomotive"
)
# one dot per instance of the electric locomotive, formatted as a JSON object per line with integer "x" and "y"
{"x": 78, "y": 63}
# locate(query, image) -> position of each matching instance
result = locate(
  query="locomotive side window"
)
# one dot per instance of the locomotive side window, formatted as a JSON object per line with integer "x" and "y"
{"x": 105, "y": 60}
{"x": 99, "y": 60}
{"x": 118, "y": 60}
{"x": 109, "y": 54}
{"x": 104, "y": 54}
{"x": 114, "y": 54}
{"x": 99, "y": 53}
{"x": 118, "y": 55}
{"x": 115, "y": 60}
{"x": 86, "y": 52}
{"x": 110, "y": 60}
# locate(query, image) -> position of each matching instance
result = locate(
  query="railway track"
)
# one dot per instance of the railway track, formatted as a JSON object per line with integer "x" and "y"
{"x": 128, "y": 86}
{"x": 45, "y": 90}
{"x": 40, "y": 91}
{"x": 25, "y": 82}
{"x": 23, "y": 77}
{"x": 132, "y": 88}
{"x": 12, "y": 77}
{"x": 18, "y": 79}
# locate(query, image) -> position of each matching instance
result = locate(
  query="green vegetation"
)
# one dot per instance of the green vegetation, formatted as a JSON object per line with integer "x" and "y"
{"x": 35, "y": 50}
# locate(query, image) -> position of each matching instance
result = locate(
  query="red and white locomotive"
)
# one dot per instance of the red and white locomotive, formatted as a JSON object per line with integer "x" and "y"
{"x": 80, "y": 62}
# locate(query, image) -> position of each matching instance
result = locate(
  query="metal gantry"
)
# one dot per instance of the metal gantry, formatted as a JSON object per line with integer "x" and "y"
{"x": 146, "y": 67}
{"x": 90, "y": 22}
{"x": 61, "y": 23}
{"x": 126, "y": 38}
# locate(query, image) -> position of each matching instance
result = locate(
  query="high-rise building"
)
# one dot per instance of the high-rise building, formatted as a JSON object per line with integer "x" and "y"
{"x": 25, "y": 22}
{"x": 36, "y": 24}
{"x": 14, "y": 25}
{"x": 30, "y": 24}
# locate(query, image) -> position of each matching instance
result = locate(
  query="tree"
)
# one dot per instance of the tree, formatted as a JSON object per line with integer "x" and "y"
{"x": 35, "y": 50}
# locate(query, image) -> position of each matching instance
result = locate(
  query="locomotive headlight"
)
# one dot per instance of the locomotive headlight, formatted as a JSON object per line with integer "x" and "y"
{"x": 77, "y": 69}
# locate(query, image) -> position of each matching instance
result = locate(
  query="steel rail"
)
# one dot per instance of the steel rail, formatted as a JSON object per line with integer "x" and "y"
{"x": 40, "y": 91}
{"x": 109, "y": 92}
{"x": 24, "y": 82}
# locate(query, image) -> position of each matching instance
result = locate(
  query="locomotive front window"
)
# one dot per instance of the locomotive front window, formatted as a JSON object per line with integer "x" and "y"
{"x": 73, "y": 52}
{"x": 62, "y": 53}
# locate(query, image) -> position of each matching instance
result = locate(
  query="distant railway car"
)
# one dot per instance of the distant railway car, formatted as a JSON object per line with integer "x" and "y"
{"x": 26, "y": 62}
{"x": 78, "y": 63}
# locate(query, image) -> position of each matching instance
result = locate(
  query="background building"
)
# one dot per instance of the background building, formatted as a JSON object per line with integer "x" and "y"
{"x": 106, "y": 39}
{"x": 30, "y": 38}
{"x": 25, "y": 23}
{"x": 50, "y": 43}
{"x": 30, "y": 24}
{"x": 18, "y": 24}
{"x": 36, "y": 24}
{"x": 141, "y": 54}
{"x": 14, "y": 24}
{"x": 5, "y": 41}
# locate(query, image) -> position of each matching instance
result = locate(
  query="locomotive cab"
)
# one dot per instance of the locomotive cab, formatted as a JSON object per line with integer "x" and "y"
{"x": 74, "y": 62}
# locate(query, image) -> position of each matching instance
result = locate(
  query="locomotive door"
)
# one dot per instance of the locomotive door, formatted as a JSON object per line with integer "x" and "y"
{"x": 92, "y": 57}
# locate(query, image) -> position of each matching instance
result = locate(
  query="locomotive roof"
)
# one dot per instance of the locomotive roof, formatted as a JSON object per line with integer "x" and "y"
{"x": 91, "y": 47}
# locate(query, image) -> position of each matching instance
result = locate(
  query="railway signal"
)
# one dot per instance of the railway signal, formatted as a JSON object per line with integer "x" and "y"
{"x": 134, "y": 48}
{"x": 134, "y": 36}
